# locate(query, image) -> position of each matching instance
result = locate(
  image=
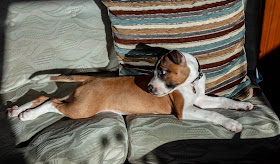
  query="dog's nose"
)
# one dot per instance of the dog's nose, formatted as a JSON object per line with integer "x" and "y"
{"x": 150, "y": 88}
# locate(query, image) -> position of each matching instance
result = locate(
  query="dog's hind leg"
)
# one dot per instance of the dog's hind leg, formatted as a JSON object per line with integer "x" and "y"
{"x": 16, "y": 110}
{"x": 32, "y": 114}
{"x": 35, "y": 108}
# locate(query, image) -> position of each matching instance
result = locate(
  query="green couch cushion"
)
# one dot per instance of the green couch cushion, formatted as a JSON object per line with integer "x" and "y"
{"x": 99, "y": 139}
{"x": 148, "y": 132}
{"x": 50, "y": 37}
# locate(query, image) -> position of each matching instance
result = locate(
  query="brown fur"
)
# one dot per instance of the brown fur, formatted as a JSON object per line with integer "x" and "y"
{"x": 178, "y": 102}
{"x": 178, "y": 70}
{"x": 75, "y": 78}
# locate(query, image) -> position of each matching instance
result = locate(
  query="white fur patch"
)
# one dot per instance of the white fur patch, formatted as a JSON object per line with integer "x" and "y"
{"x": 40, "y": 110}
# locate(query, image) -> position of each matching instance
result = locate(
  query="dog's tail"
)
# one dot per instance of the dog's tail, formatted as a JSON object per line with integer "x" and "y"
{"x": 71, "y": 78}
{"x": 64, "y": 78}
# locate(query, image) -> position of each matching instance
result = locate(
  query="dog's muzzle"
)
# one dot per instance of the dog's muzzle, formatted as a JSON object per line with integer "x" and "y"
{"x": 151, "y": 88}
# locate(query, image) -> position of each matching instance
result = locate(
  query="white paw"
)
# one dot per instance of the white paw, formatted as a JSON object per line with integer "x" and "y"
{"x": 15, "y": 110}
{"x": 232, "y": 125}
{"x": 244, "y": 106}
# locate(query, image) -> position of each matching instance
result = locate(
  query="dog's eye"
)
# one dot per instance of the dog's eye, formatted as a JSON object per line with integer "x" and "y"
{"x": 163, "y": 73}
{"x": 171, "y": 86}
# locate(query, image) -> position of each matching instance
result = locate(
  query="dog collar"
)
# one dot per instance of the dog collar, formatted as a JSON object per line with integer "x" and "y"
{"x": 200, "y": 74}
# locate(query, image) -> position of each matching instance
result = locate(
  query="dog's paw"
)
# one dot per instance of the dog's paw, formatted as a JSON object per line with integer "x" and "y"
{"x": 244, "y": 106}
{"x": 16, "y": 110}
{"x": 232, "y": 125}
{"x": 13, "y": 112}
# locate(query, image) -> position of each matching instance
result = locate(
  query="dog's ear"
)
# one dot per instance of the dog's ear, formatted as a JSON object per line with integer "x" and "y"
{"x": 142, "y": 46}
{"x": 177, "y": 57}
{"x": 155, "y": 51}
{"x": 161, "y": 52}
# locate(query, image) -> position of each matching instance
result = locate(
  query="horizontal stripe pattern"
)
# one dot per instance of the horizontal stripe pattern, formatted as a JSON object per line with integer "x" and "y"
{"x": 213, "y": 31}
{"x": 178, "y": 30}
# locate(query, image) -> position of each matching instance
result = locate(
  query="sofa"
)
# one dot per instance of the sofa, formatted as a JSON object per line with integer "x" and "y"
{"x": 90, "y": 37}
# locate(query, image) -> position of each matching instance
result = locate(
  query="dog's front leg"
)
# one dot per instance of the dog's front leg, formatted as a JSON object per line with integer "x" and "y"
{"x": 194, "y": 113}
{"x": 205, "y": 101}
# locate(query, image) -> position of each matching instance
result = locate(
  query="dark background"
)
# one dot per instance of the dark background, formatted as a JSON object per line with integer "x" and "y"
{"x": 269, "y": 68}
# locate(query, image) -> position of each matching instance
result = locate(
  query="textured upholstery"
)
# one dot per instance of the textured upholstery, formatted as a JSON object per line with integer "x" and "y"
{"x": 43, "y": 37}
{"x": 99, "y": 139}
{"x": 149, "y": 132}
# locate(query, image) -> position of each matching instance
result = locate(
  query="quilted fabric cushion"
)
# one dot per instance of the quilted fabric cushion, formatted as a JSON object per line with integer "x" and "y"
{"x": 47, "y": 36}
{"x": 149, "y": 132}
{"x": 212, "y": 30}
{"x": 99, "y": 139}
{"x": 24, "y": 130}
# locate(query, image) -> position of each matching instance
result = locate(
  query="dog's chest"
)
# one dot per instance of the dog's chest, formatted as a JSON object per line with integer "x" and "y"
{"x": 188, "y": 93}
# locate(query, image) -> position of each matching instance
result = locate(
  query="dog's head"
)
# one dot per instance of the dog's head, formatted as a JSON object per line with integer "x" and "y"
{"x": 171, "y": 71}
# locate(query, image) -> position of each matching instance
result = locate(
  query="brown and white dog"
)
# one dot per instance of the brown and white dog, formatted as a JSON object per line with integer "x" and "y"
{"x": 178, "y": 87}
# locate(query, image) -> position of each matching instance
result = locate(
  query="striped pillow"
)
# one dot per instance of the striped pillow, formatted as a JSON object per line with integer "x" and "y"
{"x": 211, "y": 30}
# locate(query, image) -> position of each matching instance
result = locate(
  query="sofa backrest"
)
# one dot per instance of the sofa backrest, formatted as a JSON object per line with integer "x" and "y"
{"x": 47, "y": 37}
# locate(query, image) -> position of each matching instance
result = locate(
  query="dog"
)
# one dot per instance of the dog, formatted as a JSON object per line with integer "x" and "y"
{"x": 177, "y": 87}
